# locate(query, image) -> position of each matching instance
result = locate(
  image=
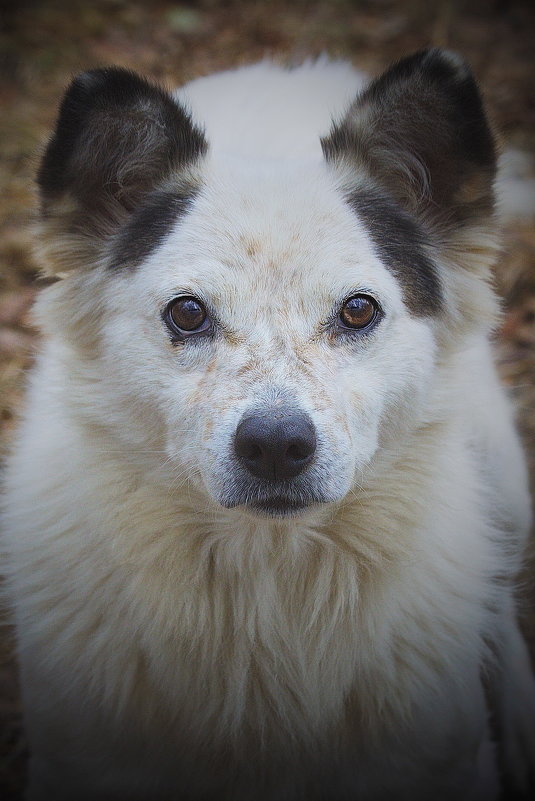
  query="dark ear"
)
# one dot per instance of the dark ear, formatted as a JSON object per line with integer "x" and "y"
{"x": 419, "y": 132}
{"x": 117, "y": 139}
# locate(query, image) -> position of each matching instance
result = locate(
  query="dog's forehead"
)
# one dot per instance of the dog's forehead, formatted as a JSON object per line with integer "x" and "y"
{"x": 272, "y": 231}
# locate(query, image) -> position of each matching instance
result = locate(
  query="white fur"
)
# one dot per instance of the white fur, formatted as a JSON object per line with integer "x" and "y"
{"x": 516, "y": 186}
{"x": 173, "y": 648}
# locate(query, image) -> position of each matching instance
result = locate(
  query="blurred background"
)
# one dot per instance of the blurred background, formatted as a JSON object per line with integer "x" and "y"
{"x": 44, "y": 43}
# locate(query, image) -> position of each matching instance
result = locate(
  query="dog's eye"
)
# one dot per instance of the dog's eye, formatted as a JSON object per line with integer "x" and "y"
{"x": 186, "y": 315}
{"x": 359, "y": 312}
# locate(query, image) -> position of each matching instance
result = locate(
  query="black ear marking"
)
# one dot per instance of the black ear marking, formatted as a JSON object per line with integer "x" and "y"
{"x": 118, "y": 138}
{"x": 419, "y": 131}
{"x": 148, "y": 226}
{"x": 400, "y": 243}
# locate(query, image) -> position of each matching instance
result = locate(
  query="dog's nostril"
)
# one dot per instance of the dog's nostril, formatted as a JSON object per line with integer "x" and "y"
{"x": 250, "y": 450}
{"x": 275, "y": 447}
{"x": 301, "y": 449}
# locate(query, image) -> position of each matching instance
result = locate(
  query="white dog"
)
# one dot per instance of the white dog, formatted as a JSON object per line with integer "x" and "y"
{"x": 267, "y": 504}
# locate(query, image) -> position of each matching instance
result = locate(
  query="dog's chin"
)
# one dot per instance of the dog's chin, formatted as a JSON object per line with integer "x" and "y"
{"x": 277, "y": 507}
{"x": 276, "y": 500}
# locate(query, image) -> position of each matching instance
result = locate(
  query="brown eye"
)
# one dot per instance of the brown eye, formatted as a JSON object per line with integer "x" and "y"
{"x": 358, "y": 312}
{"x": 186, "y": 315}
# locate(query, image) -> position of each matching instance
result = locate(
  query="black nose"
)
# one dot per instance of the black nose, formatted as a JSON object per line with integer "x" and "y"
{"x": 275, "y": 444}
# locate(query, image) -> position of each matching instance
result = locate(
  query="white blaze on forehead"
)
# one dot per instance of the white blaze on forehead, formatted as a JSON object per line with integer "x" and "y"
{"x": 280, "y": 234}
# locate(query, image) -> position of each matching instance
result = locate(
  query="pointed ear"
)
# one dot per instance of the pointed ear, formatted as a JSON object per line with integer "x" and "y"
{"x": 419, "y": 132}
{"x": 118, "y": 138}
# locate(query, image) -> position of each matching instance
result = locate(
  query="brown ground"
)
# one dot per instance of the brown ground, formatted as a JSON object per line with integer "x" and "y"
{"x": 42, "y": 44}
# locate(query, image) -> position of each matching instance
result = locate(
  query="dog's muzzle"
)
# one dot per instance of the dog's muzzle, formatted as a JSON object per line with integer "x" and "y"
{"x": 272, "y": 448}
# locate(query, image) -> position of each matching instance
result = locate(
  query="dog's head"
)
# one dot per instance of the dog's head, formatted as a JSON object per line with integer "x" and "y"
{"x": 262, "y": 331}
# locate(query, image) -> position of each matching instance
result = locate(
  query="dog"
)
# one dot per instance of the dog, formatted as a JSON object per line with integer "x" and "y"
{"x": 267, "y": 506}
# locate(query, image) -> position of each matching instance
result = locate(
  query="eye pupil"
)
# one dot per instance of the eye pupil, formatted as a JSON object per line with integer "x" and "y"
{"x": 358, "y": 312}
{"x": 187, "y": 314}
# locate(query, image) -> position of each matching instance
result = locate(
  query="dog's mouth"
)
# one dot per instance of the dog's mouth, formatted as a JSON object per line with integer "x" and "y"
{"x": 274, "y": 505}
{"x": 278, "y": 507}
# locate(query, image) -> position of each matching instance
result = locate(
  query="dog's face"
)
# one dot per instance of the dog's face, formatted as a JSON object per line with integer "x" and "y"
{"x": 275, "y": 347}
{"x": 256, "y": 333}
